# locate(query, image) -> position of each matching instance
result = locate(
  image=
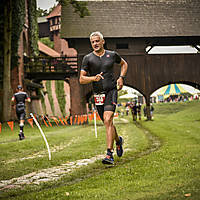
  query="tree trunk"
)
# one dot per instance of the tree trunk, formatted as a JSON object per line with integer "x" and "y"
{"x": 7, "y": 61}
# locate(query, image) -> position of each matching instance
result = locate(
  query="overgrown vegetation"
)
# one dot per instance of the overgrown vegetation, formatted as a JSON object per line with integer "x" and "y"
{"x": 33, "y": 28}
{"x": 80, "y": 7}
{"x": 47, "y": 42}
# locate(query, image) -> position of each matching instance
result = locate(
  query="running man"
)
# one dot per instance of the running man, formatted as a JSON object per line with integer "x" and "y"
{"x": 97, "y": 68}
{"x": 20, "y": 97}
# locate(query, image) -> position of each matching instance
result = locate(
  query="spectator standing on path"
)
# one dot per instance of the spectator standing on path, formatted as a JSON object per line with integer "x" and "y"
{"x": 134, "y": 110}
{"x": 97, "y": 68}
{"x": 145, "y": 111}
{"x": 139, "y": 110}
{"x": 151, "y": 110}
{"x": 127, "y": 110}
{"x": 19, "y": 98}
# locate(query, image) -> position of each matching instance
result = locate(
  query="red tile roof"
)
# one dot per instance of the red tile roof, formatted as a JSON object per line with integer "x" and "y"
{"x": 47, "y": 50}
{"x": 55, "y": 12}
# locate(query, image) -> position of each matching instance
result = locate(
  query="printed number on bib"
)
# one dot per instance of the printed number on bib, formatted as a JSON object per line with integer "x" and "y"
{"x": 99, "y": 99}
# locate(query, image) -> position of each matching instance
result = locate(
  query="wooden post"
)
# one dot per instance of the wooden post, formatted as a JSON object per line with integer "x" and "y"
{"x": 148, "y": 107}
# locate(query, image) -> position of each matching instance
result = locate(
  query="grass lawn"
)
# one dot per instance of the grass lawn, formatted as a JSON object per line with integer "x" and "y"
{"x": 161, "y": 159}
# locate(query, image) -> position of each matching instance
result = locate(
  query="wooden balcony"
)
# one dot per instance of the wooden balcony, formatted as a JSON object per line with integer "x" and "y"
{"x": 44, "y": 68}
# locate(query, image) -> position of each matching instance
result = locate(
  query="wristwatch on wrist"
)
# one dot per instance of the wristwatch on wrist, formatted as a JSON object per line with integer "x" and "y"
{"x": 123, "y": 77}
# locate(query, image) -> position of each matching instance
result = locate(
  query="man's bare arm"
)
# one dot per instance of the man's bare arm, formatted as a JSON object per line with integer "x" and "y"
{"x": 124, "y": 68}
{"x": 84, "y": 79}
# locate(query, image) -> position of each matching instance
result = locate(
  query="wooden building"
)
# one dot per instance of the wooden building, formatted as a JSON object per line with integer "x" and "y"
{"x": 129, "y": 27}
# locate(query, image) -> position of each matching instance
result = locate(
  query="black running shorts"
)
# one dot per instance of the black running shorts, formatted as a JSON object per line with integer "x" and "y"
{"x": 21, "y": 116}
{"x": 109, "y": 104}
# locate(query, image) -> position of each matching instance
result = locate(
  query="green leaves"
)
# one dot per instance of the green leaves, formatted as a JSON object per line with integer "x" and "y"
{"x": 79, "y": 7}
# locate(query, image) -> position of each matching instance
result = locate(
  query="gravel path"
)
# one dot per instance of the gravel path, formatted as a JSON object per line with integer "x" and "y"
{"x": 44, "y": 175}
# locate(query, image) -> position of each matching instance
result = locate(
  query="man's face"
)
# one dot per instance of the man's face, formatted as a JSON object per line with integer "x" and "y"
{"x": 97, "y": 43}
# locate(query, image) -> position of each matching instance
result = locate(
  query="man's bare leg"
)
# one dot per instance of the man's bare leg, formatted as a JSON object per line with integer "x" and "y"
{"x": 111, "y": 133}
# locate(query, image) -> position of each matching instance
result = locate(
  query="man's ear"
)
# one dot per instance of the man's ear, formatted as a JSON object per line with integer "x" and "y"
{"x": 103, "y": 41}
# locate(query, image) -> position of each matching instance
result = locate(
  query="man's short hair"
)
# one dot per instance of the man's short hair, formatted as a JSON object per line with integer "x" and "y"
{"x": 96, "y": 33}
{"x": 19, "y": 87}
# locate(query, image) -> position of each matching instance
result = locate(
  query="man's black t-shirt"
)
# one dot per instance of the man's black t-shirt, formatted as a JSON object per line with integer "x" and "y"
{"x": 94, "y": 65}
{"x": 20, "y": 97}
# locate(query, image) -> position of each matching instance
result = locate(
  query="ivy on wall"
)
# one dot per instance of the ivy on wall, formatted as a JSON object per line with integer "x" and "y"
{"x": 33, "y": 28}
{"x": 1, "y": 32}
{"x": 1, "y": 49}
{"x": 18, "y": 20}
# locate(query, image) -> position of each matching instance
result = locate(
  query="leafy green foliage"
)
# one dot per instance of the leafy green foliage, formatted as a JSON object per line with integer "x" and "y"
{"x": 41, "y": 12}
{"x": 1, "y": 32}
{"x": 47, "y": 42}
{"x": 18, "y": 20}
{"x": 33, "y": 28}
{"x": 79, "y": 6}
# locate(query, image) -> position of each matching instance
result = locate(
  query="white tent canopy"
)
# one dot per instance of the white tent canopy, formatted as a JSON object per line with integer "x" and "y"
{"x": 128, "y": 96}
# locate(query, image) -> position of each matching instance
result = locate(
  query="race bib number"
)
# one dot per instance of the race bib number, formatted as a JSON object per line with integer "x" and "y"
{"x": 99, "y": 99}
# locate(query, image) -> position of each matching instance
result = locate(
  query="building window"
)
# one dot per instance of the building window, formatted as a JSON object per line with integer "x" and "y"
{"x": 121, "y": 46}
{"x": 53, "y": 21}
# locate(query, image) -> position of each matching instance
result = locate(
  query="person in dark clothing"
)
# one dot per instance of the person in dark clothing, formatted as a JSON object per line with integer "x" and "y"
{"x": 145, "y": 111}
{"x": 151, "y": 110}
{"x": 133, "y": 107}
{"x": 97, "y": 68}
{"x": 139, "y": 110}
{"x": 19, "y": 98}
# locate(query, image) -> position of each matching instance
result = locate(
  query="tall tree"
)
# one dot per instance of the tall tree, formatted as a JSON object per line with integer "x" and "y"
{"x": 7, "y": 60}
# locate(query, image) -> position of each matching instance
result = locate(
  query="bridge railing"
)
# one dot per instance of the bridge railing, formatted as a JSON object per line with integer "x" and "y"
{"x": 50, "y": 65}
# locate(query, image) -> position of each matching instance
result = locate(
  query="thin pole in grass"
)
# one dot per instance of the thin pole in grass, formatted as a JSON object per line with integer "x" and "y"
{"x": 95, "y": 123}
{"x": 35, "y": 120}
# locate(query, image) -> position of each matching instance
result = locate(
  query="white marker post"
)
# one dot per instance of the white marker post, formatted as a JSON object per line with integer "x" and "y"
{"x": 95, "y": 123}
{"x": 35, "y": 120}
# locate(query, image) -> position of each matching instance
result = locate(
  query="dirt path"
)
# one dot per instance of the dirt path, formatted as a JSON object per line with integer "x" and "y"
{"x": 44, "y": 175}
